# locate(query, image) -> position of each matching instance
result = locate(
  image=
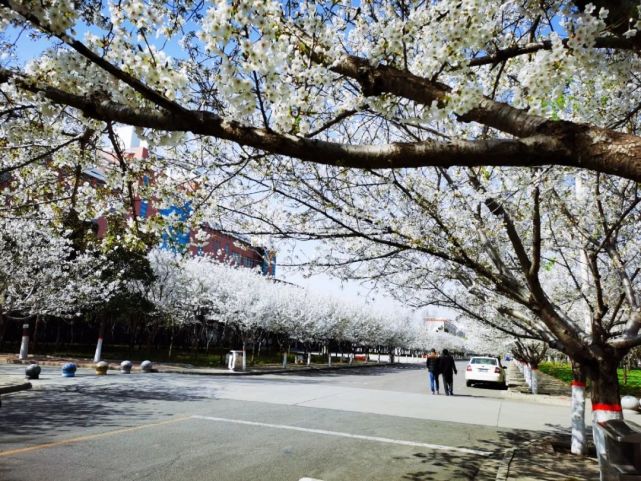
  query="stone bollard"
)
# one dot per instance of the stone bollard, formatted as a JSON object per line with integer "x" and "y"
{"x": 629, "y": 404}
{"x": 146, "y": 366}
{"x": 69, "y": 370}
{"x": 101, "y": 368}
{"x": 32, "y": 371}
{"x": 125, "y": 367}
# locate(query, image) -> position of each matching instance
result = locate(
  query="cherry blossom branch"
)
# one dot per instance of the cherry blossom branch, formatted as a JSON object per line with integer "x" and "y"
{"x": 44, "y": 155}
{"x": 536, "y": 150}
{"x": 519, "y": 50}
{"x": 140, "y": 87}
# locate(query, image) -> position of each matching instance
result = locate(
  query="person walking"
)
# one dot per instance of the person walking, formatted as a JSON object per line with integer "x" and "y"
{"x": 447, "y": 367}
{"x": 432, "y": 368}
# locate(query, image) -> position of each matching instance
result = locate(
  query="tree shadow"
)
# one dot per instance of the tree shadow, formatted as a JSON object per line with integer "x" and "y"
{"x": 438, "y": 464}
{"x": 543, "y": 456}
{"x": 57, "y": 409}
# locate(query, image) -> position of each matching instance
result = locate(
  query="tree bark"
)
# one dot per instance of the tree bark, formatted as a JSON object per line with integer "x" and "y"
{"x": 34, "y": 336}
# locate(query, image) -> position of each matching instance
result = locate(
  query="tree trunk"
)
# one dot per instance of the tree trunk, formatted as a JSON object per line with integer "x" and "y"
{"x": 260, "y": 345}
{"x": 101, "y": 334}
{"x": 56, "y": 345}
{"x": 34, "y": 337}
{"x": 3, "y": 326}
{"x": 605, "y": 406}
{"x": 171, "y": 342}
{"x": 577, "y": 415}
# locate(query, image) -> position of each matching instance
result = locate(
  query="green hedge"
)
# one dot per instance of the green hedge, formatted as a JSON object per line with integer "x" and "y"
{"x": 563, "y": 371}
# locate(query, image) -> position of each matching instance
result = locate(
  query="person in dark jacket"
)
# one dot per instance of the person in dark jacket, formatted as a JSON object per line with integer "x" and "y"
{"x": 447, "y": 367}
{"x": 432, "y": 368}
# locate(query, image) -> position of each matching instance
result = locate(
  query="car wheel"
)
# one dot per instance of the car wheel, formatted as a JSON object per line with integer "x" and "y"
{"x": 468, "y": 383}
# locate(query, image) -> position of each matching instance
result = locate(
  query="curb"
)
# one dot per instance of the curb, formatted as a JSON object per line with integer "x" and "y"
{"x": 204, "y": 372}
{"x": 539, "y": 398}
{"x": 194, "y": 372}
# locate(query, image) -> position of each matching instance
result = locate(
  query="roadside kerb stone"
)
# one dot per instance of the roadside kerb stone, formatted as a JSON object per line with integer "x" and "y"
{"x": 541, "y": 398}
{"x": 203, "y": 371}
{"x": 260, "y": 372}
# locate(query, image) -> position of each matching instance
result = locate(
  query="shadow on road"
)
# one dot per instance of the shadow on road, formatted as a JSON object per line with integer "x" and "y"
{"x": 60, "y": 409}
{"x": 543, "y": 456}
{"x": 456, "y": 467}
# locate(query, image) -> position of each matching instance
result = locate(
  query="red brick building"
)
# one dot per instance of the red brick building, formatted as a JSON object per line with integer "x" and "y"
{"x": 224, "y": 247}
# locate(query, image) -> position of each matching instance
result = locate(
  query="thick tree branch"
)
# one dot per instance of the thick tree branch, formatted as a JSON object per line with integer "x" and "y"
{"x": 536, "y": 234}
{"x": 520, "y": 152}
{"x": 519, "y": 50}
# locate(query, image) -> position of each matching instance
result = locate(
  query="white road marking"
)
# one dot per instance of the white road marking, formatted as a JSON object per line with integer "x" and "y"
{"x": 347, "y": 435}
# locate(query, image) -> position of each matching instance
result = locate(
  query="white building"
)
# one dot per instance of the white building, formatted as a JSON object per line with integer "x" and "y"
{"x": 436, "y": 324}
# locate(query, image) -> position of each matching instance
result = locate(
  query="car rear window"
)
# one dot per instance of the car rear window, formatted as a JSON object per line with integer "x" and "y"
{"x": 483, "y": 360}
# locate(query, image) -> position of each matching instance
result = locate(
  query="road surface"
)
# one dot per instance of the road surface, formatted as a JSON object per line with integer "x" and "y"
{"x": 365, "y": 424}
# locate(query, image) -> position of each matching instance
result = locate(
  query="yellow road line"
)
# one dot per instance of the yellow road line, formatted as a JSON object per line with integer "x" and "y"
{"x": 89, "y": 437}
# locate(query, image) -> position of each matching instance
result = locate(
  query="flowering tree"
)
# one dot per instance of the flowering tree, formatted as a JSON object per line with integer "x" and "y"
{"x": 41, "y": 273}
{"x": 452, "y": 83}
{"x": 254, "y": 305}
{"x": 381, "y": 86}
{"x": 538, "y": 254}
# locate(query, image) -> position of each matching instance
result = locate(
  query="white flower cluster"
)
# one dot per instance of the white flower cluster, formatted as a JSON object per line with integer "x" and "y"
{"x": 39, "y": 276}
{"x": 243, "y": 298}
{"x": 56, "y": 15}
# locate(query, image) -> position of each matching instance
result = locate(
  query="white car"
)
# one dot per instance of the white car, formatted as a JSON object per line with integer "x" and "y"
{"x": 484, "y": 369}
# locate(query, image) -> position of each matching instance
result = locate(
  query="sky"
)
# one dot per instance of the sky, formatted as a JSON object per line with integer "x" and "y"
{"x": 353, "y": 290}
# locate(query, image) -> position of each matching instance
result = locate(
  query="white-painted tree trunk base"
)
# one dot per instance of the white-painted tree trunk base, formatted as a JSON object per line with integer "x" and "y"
{"x": 24, "y": 344}
{"x": 601, "y": 415}
{"x": 527, "y": 375}
{"x": 244, "y": 360}
{"x": 578, "y": 445}
{"x": 24, "y": 348}
{"x": 230, "y": 361}
{"x": 98, "y": 355}
{"x": 534, "y": 381}
{"x": 284, "y": 360}
{"x": 309, "y": 358}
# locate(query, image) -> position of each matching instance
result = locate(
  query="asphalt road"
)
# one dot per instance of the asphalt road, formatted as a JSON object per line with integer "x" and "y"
{"x": 368, "y": 424}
